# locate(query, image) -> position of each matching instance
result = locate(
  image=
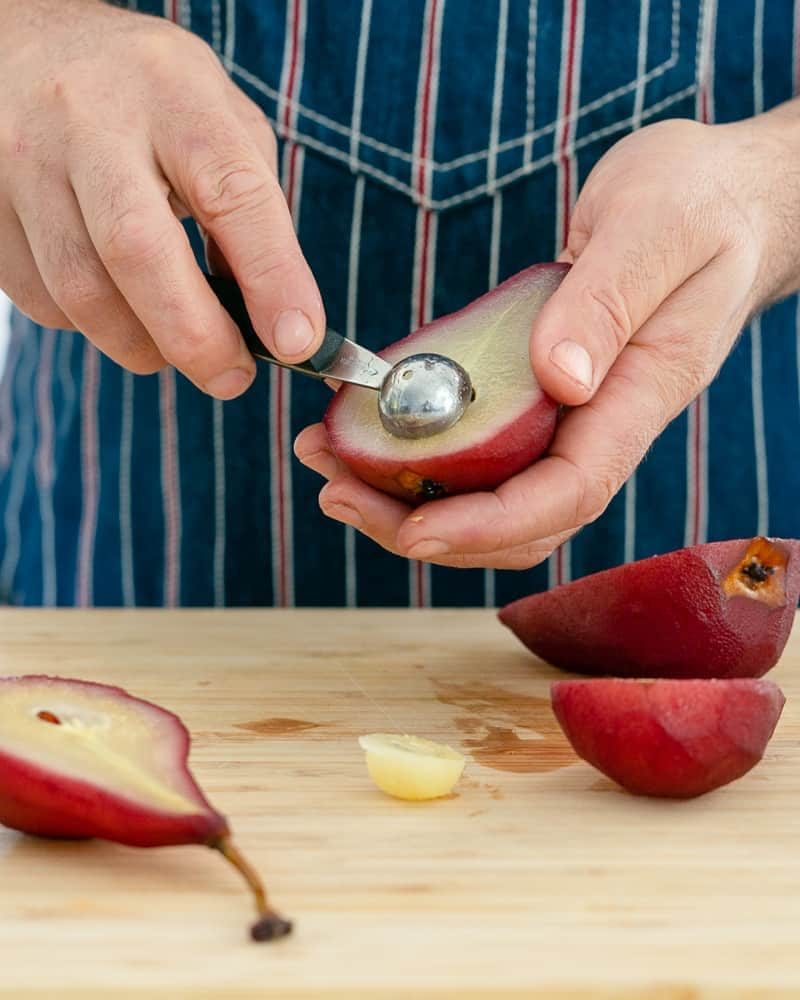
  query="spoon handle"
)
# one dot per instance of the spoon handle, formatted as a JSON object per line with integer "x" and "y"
{"x": 319, "y": 365}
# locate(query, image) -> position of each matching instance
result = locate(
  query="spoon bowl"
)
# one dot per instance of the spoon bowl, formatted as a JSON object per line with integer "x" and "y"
{"x": 424, "y": 395}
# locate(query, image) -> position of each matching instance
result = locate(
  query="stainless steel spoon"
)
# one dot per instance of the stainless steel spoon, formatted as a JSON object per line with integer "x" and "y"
{"x": 419, "y": 396}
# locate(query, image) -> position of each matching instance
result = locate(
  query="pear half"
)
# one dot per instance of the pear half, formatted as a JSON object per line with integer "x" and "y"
{"x": 669, "y": 738}
{"x": 721, "y": 609}
{"x": 508, "y": 425}
{"x": 80, "y": 760}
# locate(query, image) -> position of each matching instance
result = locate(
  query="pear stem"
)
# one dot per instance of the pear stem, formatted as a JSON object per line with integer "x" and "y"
{"x": 270, "y": 924}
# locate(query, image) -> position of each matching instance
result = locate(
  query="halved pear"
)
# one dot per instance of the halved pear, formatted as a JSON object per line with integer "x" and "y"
{"x": 410, "y": 767}
{"x": 80, "y": 760}
{"x": 721, "y": 609}
{"x": 508, "y": 425}
{"x": 669, "y": 738}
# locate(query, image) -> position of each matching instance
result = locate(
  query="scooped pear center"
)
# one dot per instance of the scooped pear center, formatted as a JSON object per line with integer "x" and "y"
{"x": 76, "y": 720}
{"x": 760, "y": 574}
{"x": 491, "y": 343}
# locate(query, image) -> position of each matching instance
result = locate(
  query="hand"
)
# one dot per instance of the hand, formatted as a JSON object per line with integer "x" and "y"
{"x": 112, "y": 126}
{"x": 681, "y": 232}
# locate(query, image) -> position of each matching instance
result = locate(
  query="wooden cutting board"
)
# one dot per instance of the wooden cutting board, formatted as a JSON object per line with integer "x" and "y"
{"x": 538, "y": 879}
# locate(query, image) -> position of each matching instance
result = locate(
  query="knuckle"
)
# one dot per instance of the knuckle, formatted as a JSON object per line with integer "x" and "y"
{"x": 597, "y": 495}
{"x": 257, "y": 119}
{"x": 250, "y": 109}
{"x": 199, "y": 47}
{"x": 167, "y": 56}
{"x": 592, "y": 494}
{"x": 42, "y": 310}
{"x": 29, "y": 296}
{"x": 77, "y": 283}
{"x": 578, "y": 237}
{"x": 127, "y": 238}
{"x": 189, "y": 344}
{"x": 274, "y": 268}
{"x": 227, "y": 188}
{"x": 139, "y": 354}
{"x": 160, "y": 47}
{"x": 124, "y": 340}
{"x": 78, "y": 293}
{"x": 615, "y": 323}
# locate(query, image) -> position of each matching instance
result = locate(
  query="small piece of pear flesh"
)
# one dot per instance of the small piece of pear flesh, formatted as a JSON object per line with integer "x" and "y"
{"x": 410, "y": 767}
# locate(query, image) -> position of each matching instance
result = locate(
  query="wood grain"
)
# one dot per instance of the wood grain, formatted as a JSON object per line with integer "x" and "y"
{"x": 539, "y": 879}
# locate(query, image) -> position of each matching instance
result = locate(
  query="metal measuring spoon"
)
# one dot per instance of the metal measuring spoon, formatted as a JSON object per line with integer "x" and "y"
{"x": 419, "y": 396}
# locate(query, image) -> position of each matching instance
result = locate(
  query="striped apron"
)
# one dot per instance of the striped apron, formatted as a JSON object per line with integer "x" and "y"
{"x": 428, "y": 149}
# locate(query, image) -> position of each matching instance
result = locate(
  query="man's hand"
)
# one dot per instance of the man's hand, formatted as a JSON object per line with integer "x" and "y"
{"x": 112, "y": 126}
{"x": 681, "y": 232}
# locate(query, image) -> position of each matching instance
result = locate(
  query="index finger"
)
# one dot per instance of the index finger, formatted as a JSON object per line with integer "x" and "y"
{"x": 222, "y": 176}
{"x": 148, "y": 256}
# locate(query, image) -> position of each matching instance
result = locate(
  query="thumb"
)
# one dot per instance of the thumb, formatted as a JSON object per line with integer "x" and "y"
{"x": 615, "y": 285}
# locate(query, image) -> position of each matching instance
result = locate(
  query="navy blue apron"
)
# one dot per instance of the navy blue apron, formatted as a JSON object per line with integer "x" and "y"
{"x": 428, "y": 149}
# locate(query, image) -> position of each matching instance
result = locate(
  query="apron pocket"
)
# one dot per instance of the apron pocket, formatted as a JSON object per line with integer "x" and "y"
{"x": 446, "y": 103}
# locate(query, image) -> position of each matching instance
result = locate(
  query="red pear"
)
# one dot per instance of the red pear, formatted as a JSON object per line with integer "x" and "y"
{"x": 508, "y": 425}
{"x": 79, "y": 759}
{"x": 669, "y": 738}
{"x": 724, "y": 609}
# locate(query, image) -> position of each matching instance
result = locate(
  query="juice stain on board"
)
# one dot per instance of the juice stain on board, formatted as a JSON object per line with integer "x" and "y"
{"x": 277, "y": 726}
{"x": 491, "y": 729}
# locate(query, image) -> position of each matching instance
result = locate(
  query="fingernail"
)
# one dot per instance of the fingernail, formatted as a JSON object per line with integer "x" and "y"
{"x": 229, "y": 384}
{"x": 293, "y": 333}
{"x": 343, "y": 512}
{"x": 428, "y": 549}
{"x": 574, "y": 360}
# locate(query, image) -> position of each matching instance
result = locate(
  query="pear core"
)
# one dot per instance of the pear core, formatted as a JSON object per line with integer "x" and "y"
{"x": 410, "y": 767}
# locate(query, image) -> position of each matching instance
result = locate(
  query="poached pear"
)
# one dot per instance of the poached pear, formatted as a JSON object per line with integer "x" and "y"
{"x": 722, "y": 609}
{"x": 669, "y": 738}
{"x": 508, "y": 425}
{"x": 83, "y": 760}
